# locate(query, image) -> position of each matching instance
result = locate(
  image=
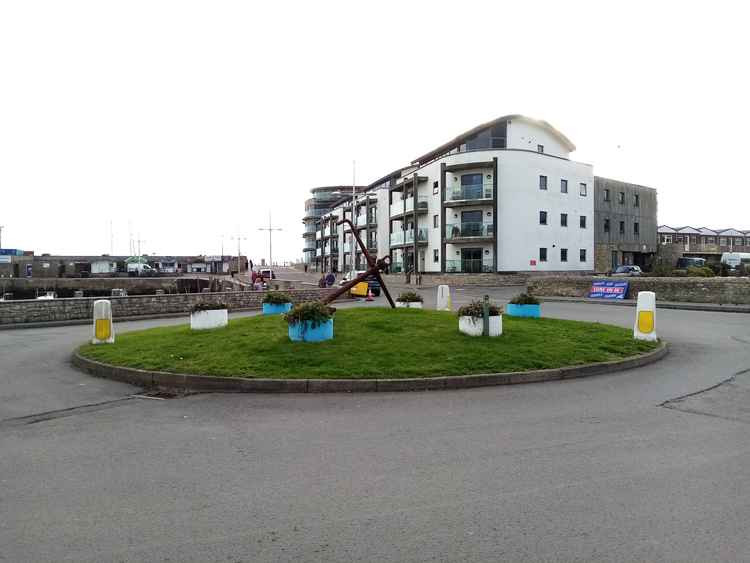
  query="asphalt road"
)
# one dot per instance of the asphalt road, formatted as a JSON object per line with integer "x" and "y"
{"x": 609, "y": 468}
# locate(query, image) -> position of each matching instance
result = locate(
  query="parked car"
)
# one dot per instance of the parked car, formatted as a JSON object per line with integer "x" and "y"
{"x": 268, "y": 274}
{"x": 627, "y": 271}
{"x": 372, "y": 281}
{"x": 687, "y": 261}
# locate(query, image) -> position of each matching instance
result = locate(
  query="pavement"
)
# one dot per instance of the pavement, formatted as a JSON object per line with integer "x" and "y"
{"x": 644, "y": 465}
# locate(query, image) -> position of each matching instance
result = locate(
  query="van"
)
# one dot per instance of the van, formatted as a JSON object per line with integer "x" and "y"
{"x": 734, "y": 259}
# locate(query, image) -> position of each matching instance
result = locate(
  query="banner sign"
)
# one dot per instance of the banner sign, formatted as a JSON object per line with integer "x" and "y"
{"x": 4, "y": 259}
{"x": 608, "y": 289}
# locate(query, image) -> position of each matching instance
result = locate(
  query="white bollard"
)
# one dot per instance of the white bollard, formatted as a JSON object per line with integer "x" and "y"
{"x": 104, "y": 331}
{"x": 444, "y": 298}
{"x": 644, "y": 327}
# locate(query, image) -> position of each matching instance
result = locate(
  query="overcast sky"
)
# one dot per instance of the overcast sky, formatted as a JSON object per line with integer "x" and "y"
{"x": 193, "y": 120}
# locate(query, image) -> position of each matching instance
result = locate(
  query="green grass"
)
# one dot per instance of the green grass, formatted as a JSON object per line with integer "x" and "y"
{"x": 369, "y": 343}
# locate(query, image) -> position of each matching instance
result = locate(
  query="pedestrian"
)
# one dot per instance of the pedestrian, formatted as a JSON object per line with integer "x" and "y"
{"x": 305, "y": 268}
{"x": 254, "y": 276}
{"x": 330, "y": 279}
{"x": 322, "y": 281}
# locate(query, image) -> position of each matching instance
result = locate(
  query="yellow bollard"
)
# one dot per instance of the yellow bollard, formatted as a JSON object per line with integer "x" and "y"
{"x": 644, "y": 327}
{"x": 104, "y": 332}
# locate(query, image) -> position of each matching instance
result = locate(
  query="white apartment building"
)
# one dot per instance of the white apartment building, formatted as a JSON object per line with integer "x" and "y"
{"x": 502, "y": 197}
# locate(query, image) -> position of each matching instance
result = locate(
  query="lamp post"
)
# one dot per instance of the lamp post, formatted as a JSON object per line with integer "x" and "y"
{"x": 239, "y": 238}
{"x": 270, "y": 230}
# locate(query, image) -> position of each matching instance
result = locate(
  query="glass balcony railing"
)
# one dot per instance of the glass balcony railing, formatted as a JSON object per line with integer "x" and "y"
{"x": 474, "y": 191}
{"x": 468, "y": 266}
{"x": 468, "y": 230}
{"x": 407, "y": 237}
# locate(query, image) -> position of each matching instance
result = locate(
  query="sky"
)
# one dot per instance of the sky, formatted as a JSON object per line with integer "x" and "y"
{"x": 184, "y": 124}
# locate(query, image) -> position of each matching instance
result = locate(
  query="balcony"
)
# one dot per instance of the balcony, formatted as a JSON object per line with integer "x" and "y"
{"x": 467, "y": 195}
{"x": 308, "y": 249}
{"x": 318, "y": 235}
{"x": 468, "y": 231}
{"x": 407, "y": 237}
{"x": 397, "y": 207}
{"x": 469, "y": 266}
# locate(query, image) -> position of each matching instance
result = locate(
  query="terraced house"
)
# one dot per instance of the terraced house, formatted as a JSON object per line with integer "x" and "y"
{"x": 502, "y": 197}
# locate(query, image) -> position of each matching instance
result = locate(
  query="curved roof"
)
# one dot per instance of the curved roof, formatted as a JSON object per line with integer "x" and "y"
{"x": 445, "y": 147}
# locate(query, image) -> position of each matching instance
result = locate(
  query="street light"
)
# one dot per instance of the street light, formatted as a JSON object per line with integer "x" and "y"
{"x": 239, "y": 238}
{"x": 270, "y": 230}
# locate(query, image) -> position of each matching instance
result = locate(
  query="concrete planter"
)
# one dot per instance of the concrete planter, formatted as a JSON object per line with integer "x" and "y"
{"x": 533, "y": 311}
{"x": 473, "y": 326}
{"x": 276, "y": 309}
{"x": 203, "y": 320}
{"x": 409, "y": 304}
{"x": 304, "y": 331}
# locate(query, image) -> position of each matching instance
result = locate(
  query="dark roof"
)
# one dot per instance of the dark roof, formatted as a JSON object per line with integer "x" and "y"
{"x": 445, "y": 147}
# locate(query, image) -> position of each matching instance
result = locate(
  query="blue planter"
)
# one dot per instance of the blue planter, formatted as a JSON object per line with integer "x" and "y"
{"x": 534, "y": 311}
{"x": 272, "y": 309}
{"x": 304, "y": 332}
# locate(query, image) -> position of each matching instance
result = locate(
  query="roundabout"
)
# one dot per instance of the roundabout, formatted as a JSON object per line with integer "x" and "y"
{"x": 374, "y": 349}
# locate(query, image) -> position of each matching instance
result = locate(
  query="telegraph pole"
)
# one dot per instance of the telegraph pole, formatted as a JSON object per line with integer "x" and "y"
{"x": 270, "y": 230}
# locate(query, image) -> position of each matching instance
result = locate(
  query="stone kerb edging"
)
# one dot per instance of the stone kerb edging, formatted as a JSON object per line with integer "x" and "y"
{"x": 206, "y": 383}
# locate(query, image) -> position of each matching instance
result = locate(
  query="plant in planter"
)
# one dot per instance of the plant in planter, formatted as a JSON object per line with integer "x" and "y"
{"x": 524, "y": 305}
{"x": 311, "y": 321}
{"x": 208, "y": 315}
{"x": 410, "y": 300}
{"x": 275, "y": 302}
{"x": 471, "y": 319}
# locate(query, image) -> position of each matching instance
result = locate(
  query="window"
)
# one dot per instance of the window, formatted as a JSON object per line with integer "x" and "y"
{"x": 606, "y": 225}
{"x": 622, "y": 227}
{"x": 621, "y": 198}
{"x": 435, "y": 188}
{"x": 542, "y": 182}
{"x": 435, "y": 221}
{"x": 636, "y": 200}
{"x": 436, "y": 255}
{"x": 583, "y": 221}
{"x": 563, "y": 219}
{"x": 563, "y": 186}
{"x": 582, "y": 255}
{"x": 723, "y": 241}
{"x": 710, "y": 240}
{"x": 540, "y": 148}
{"x": 542, "y": 217}
{"x": 606, "y": 194}
{"x": 666, "y": 239}
{"x": 542, "y": 254}
{"x": 582, "y": 189}
{"x": 563, "y": 255}
{"x": 636, "y": 228}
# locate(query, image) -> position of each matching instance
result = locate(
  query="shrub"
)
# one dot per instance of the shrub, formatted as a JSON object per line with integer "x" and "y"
{"x": 476, "y": 309}
{"x": 410, "y": 297}
{"x": 700, "y": 272}
{"x": 198, "y": 307}
{"x": 715, "y": 268}
{"x": 742, "y": 270}
{"x": 662, "y": 270}
{"x": 723, "y": 270}
{"x": 313, "y": 311}
{"x": 276, "y": 298}
{"x": 679, "y": 273}
{"x": 524, "y": 299}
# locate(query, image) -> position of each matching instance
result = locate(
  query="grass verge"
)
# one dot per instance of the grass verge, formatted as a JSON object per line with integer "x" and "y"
{"x": 369, "y": 343}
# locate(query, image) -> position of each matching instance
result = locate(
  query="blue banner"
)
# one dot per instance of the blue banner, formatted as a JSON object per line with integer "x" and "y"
{"x": 605, "y": 289}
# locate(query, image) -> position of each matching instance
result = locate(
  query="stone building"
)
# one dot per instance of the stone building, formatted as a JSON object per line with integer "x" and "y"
{"x": 625, "y": 226}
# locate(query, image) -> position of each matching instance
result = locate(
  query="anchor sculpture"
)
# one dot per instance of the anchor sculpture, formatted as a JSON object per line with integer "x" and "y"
{"x": 375, "y": 267}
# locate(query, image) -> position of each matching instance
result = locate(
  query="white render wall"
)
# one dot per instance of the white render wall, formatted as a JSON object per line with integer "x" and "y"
{"x": 525, "y": 135}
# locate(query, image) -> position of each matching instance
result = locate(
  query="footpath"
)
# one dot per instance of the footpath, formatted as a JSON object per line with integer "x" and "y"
{"x": 687, "y": 306}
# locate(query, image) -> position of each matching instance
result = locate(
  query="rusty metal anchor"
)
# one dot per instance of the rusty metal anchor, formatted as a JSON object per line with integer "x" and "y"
{"x": 375, "y": 267}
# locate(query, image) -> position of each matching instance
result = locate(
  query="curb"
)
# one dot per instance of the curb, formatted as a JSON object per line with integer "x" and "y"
{"x": 205, "y": 383}
{"x": 708, "y": 307}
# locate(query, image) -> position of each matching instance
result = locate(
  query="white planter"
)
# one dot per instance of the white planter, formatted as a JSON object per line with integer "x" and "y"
{"x": 473, "y": 325}
{"x": 203, "y": 320}
{"x": 409, "y": 305}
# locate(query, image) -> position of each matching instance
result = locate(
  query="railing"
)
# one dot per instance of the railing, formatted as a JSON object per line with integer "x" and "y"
{"x": 468, "y": 230}
{"x": 474, "y": 191}
{"x": 407, "y": 237}
{"x": 468, "y": 266}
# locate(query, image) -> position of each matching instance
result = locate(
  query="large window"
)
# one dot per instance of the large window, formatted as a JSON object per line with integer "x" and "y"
{"x": 542, "y": 254}
{"x": 563, "y": 255}
{"x": 542, "y": 182}
{"x": 582, "y": 255}
{"x": 606, "y": 194}
{"x": 636, "y": 200}
{"x": 563, "y": 186}
{"x": 542, "y": 217}
{"x": 622, "y": 227}
{"x": 471, "y": 186}
{"x": 636, "y": 228}
{"x": 582, "y": 189}
{"x": 621, "y": 198}
{"x": 435, "y": 221}
{"x": 435, "y": 255}
{"x": 563, "y": 219}
{"x": 606, "y": 225}
{"x": 582, "y": 221}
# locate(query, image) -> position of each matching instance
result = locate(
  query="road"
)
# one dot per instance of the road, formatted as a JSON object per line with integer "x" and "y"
{"x": 609, "y": 468}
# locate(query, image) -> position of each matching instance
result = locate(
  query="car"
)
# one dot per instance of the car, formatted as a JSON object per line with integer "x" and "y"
{"x": 687, "y": 261}
{"x": 627, "y": 271}
{"x": 372, "y": 281}
{"x": 268, "y": 274}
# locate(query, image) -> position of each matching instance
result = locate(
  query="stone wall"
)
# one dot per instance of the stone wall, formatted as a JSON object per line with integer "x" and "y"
{"x": 693, "y": 290}
{"x": 458, "y": 280}
{"x": 42, "y": 310}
